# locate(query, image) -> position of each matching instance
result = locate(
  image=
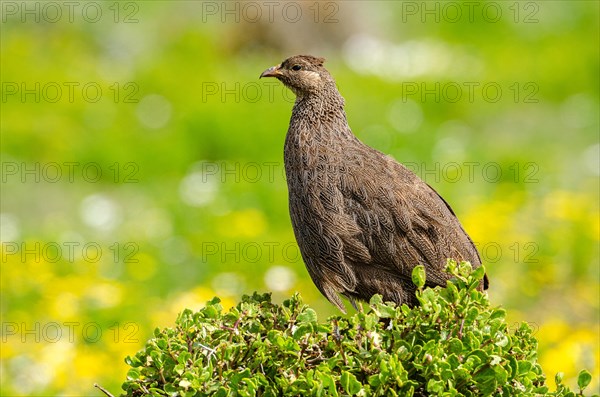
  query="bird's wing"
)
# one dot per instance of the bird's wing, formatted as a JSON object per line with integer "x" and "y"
{"x": 470, "y": 244}
{"x": 402, "y": 221}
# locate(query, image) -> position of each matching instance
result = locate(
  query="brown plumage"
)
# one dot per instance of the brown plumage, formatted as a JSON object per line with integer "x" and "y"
{"x": 362, "y": 220}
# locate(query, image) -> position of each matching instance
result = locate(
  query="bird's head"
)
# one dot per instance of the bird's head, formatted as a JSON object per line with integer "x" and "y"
{"x": 303, "y": 74}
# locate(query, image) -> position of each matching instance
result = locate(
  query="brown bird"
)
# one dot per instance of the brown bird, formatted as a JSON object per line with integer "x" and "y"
{"x": 362, "y": 220}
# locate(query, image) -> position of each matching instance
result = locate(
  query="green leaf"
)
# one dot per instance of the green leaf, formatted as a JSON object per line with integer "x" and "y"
{"x": 301, "y": 330}
{"x": 513, "y": 365}
{"x": 375, "y": 300}
{"x": 418, "y": 276}
{"x": 211, "y": 311}
{"x": 501, "y": 374}
{"x": 381, "y": 309}
{"x": 328, "y": 382}
{"x": 452, "y": 292}
{"x": 133, "y": 361}
{"x": 435, "y": 386}
{"x": 478, "y": 273}
{"x": 486, "y": 377}
{"x": 455, "y": 346}
{"x": 238, "y": 377}
{"x": 498, "y": 313}
{"x": 524, "y": 367}
{"x": 349, "y": 382}
{"x": 375, "y": 380}
{"x": 307, "y": 316}
{"x": 558, "y": 378}
{"x": 133, "y": 374}
{"x": 162, "y": 343}
{"x": 583, "y": 379}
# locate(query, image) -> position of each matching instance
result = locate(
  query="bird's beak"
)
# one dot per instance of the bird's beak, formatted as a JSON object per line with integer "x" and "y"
{"x": 273, "y": 71}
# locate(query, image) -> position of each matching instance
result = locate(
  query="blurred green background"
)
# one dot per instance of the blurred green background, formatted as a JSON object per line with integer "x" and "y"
{"x": 142, "y": 162}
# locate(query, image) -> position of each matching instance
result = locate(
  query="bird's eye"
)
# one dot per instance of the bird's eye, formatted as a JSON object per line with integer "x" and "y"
{"x": 296, "y": 67}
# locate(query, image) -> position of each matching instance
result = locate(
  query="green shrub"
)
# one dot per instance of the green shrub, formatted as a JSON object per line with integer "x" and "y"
{"x": 453, "y": 344}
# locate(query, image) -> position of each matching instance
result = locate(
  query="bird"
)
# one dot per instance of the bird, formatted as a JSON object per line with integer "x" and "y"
{"x": 362, "y": 220}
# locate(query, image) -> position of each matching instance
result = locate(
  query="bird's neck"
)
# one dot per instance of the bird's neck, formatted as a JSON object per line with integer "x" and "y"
{"x": 320, "y": 112}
